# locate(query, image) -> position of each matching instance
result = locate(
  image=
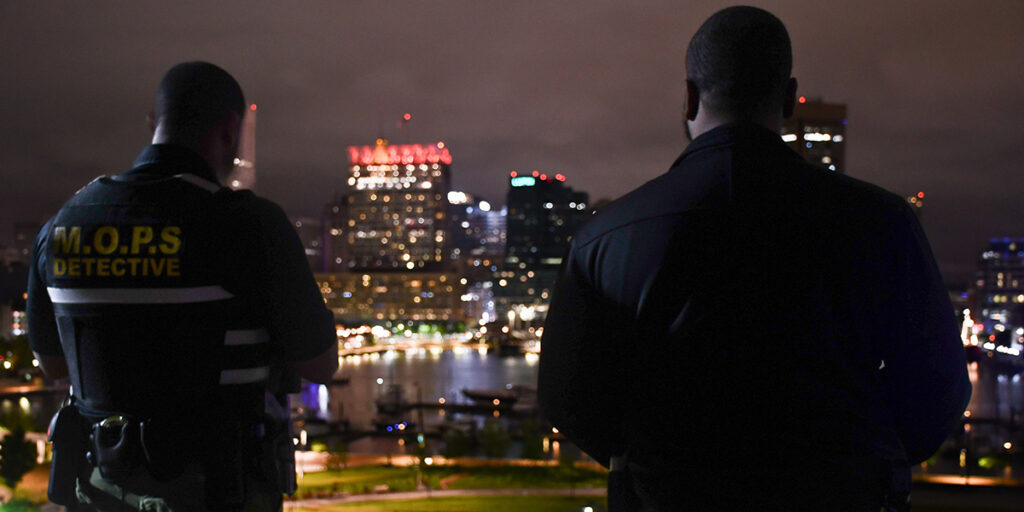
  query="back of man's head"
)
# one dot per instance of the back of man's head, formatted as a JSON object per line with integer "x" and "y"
{"x": 741, "y": 60}
{"x": 194, "y": 97}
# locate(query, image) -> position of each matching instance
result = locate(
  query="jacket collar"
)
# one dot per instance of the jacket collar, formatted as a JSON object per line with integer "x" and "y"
{"x": 170, "y": 159}
{"x": 732, "y": 133}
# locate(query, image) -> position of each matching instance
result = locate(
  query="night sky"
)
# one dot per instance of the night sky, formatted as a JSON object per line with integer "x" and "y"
{"x": 591, "y": 89}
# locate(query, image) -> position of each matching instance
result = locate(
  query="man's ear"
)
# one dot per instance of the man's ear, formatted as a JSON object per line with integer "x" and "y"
{"x": 692, "y": 100}
{"x": 789, "y": 101}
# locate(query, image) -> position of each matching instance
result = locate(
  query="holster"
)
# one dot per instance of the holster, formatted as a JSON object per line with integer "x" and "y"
{"x": 115, "y": 448}
{"x": 67, "y": 434}
{"x": 277, "y": 461}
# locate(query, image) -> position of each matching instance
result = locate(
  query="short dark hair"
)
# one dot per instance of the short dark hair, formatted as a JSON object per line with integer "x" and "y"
{"x": 740, "y": 59}
{"x": 194, "y": 96}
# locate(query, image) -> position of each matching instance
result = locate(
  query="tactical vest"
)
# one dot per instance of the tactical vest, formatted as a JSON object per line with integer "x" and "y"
{"x": 150, "y": 323}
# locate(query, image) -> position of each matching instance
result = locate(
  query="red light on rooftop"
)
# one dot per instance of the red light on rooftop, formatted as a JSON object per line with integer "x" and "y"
{"x": 252, "y": 107}
{"x": 400, "y": 154}
{"x": 543, "y": 177}
{"x": 560, "y": 177}
{"x": 920, "y": 195}
{"x": 407, "y": 116}
{"x": 535, "y": 174}
{"x": 803, "y": 99}
{"x": 513, "y": 174}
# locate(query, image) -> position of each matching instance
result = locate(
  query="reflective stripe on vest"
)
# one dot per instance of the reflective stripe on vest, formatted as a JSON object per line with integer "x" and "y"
{"x": 244, "y": 375}
{"x": 246, "y": 336}
{"x": 137, "y": 295}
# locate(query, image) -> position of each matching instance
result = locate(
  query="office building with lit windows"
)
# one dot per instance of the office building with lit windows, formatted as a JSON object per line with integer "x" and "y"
{"x": 398, "y": 207}
{"x": 378, "y": 297}
{"x": 817, "y": 131}
{"x": 543, "y": 215}
{"x": 13, "y": 288}
{"x": 335, "y": 222}
{"x": 311, "y": 234}
{"x": 998, "y": 292}
{"x": 477, "y": 232}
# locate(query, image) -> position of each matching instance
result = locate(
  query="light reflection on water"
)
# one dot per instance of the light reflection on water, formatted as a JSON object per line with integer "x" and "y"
{"x": 423, "y": 375}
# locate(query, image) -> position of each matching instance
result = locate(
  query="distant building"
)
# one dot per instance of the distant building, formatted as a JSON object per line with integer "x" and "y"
{"x": 477, "y": 235}
{"x": 311, "y": 233}
{"x": 25, "y": 238}
{"x": 335, "y": 225}
{"x": 998, "y": 292}
{"x": 243, "y": 174}
{"x": 398, "y": 207}
{"x": 379, "y": 297}
{"x": 543, "y": 215}
{"x": 817, "y": 131}
{"x": 13, "y": 288}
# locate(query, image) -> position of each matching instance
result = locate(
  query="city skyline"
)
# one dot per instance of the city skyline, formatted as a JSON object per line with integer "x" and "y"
{"x": 591, "y": 89}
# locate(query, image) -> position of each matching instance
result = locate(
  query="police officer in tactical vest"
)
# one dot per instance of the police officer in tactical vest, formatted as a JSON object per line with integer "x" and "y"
{"x": 183, "y": 313}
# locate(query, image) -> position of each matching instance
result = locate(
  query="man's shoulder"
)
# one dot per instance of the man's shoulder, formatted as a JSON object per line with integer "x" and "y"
{"x": 710, "y": 181}
{"x": 643, "y": 203}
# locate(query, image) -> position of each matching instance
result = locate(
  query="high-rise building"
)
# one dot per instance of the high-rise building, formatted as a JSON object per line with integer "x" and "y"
{"x": 998, "y": 291}
{"x": 335, "y": 222}
{"x": 817, "y": 131}
{"x": 398, "y": 206}
{"x": 379, "y": 297}
{"x": 243, "y": 175}
{"x": 477, "y": 228}
{"x": 543, "y": 215}
{"x": 311, "y": 233}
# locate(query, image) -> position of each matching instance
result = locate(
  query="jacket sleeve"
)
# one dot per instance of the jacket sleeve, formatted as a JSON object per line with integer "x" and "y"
{"x": 927, "y": 384}
{"x": 42, "y": 325}
{"x": 577, "y": 385}
{"x": 299, "y": 321}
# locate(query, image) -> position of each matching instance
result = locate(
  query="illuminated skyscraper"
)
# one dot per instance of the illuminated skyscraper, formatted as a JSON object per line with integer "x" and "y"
{"x": 999, "y": 288}
{"x": 817, "y": 131}
{"x": 543, "y": 215}
{"x": 398, "y": 206}
{"x": 243, "y": 176}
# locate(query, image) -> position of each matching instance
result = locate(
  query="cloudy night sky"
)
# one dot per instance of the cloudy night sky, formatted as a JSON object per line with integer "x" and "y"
{"x": 591, "y": 89}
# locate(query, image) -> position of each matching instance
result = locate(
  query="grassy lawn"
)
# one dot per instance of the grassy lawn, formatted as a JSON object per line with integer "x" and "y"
{"x": 361, "y": 480}
{"x": 475, "y": 504}
{"x": 513, "y": 477}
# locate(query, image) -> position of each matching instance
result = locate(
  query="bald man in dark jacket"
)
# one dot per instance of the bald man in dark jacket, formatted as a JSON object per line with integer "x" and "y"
{"x": 749, "y": 331}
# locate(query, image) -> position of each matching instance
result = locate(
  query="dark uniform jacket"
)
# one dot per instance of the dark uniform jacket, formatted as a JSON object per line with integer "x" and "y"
{"x": 159, "y": 287}
{"x": 751, "y": 330}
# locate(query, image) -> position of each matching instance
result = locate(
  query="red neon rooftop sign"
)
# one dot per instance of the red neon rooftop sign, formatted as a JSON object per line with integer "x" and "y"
{"x": 400, "y": 154}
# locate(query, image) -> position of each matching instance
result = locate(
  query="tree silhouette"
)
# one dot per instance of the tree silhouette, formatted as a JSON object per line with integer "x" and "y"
{"x": 17, "y": 457}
